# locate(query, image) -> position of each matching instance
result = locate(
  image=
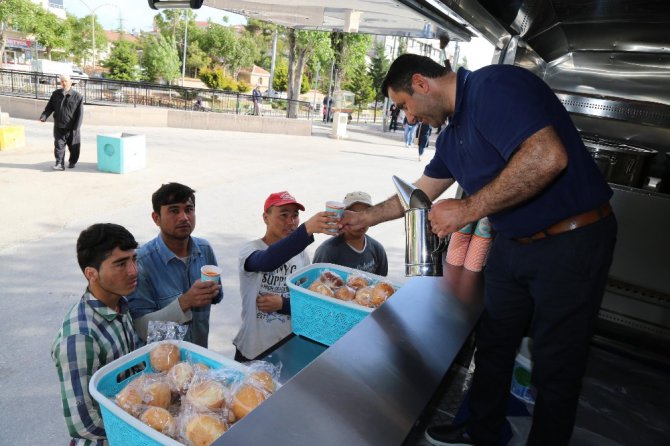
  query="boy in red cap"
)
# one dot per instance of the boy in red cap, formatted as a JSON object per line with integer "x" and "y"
{"x": 264, "y": 265}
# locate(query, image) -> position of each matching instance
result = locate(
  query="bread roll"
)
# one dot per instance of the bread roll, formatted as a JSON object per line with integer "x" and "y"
{"x": 157, "y": 393}
{"x": 159, "y": 419}
{"x": 179, "y": 376}
{"x": 357, "y": 281}
{"x": 321, "y": 288}
{"x": 331, "y": 280}
{"x": 130, "y": 397}
{"x": 206, "y": 395}
{"x": 364, "y": 296}
{"x": 345, "y": 293}
{"x": 263, "y": 379}
{"x": 163, "y": 357}
{"x": 203, "y": 429}
{"x": 246, "y": 399}
{"x": 380, "y": 293}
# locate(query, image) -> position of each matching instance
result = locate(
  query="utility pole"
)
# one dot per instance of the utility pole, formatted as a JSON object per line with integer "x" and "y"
{"x": 183, "y": 65}
{"x": 272, "y": 65}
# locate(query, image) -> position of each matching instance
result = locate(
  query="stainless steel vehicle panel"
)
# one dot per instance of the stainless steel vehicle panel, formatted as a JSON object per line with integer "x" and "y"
{"x": 370, "y": 387}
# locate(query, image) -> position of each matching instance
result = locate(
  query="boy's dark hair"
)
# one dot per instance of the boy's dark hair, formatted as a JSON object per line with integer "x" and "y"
{"x": 399, "y": 76}
{"x": 97, "y": 242}
{"x": 171, "y": 193}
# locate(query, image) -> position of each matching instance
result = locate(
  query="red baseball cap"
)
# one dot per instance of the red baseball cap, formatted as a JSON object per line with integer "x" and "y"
{"x": 281, "y": 199}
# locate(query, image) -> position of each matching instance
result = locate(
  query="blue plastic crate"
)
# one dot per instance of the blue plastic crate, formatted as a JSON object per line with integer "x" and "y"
{"x": 321, "y": 318}
{"x": 122, "y": 428}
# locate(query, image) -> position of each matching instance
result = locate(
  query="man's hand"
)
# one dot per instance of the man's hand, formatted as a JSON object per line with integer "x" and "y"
{"x": 199, "y": 295}
{"x": 269, "y": 303}
{"x": 322, "y": 223}
{"x": 447, "y": 216}
{"x": 42, "y": 119}
{"x": 353, "y": 221}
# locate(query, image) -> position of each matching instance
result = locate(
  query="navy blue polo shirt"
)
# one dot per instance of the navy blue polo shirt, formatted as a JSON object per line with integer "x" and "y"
{"x": 497, "y": 108}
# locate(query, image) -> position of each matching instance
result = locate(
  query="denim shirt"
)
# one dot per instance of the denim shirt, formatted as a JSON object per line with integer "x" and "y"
{"x": 163, "y": 277}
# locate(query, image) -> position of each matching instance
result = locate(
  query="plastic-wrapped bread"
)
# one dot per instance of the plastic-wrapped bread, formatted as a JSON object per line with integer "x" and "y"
{"x": 159, "y": 419}
{"x": 380, "y": 293}
{"x": 206, "y": 395}
{"x": 164, "y": 356}
{"x": 321, "y": 288}
{"x": 203, "y": 429}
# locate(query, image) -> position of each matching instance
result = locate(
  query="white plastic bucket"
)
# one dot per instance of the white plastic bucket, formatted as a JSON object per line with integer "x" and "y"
{"x": 523, "y": 367}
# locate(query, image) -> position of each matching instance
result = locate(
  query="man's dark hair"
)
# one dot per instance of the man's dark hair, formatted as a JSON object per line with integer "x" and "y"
{"x": 171, "y": 193}
{"x": 97, "y": 242}
{"x": 399, "y": 76}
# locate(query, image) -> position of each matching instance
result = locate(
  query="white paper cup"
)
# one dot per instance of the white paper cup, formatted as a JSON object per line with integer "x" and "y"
{"x": 210, "y": 273}
{"x": 338, "y": 208}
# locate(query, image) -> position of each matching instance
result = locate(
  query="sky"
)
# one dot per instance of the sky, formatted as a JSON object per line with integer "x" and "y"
{"x": 136, "y": 14}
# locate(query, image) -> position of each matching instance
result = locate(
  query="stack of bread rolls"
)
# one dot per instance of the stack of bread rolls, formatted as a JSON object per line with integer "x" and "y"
{"x": 191, "y": 403}
{"x": 357, "y": 288}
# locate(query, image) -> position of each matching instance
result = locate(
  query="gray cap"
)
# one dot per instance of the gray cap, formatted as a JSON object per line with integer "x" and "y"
{"x": 357, "y": 197}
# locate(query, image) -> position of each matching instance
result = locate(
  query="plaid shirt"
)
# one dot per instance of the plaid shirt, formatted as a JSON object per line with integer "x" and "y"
{"x": 92, "y": 335}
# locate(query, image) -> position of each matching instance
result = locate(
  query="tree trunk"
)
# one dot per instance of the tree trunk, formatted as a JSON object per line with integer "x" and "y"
{"x": 291, "y": 110}
{"x": 3, "y": 40}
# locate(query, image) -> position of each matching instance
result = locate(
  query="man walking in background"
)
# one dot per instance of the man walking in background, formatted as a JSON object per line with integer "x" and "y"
{"x": 257, "y": 97}
{"x": 67, "y": 106}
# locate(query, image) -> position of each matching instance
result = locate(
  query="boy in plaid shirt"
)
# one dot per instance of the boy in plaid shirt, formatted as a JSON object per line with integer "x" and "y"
{"x": 98, "y": 329}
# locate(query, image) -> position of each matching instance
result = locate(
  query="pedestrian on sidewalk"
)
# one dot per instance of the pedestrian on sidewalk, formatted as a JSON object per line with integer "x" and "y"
{"x": 408, "y": 126}
{"x": 67, "y": 106}
{"x": 257, "y": 98}
{"x": 394, "y": 111}
{"x": 423, "y": 133}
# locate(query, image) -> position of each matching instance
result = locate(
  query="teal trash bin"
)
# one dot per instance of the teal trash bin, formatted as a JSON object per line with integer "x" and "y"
{"x": 121, "y": 152}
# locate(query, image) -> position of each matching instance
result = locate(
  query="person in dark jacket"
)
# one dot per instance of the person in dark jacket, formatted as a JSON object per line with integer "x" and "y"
{"x": 67, "y": 106}
{"x": 423, "y": 132}
{"x": 393, "y": 112}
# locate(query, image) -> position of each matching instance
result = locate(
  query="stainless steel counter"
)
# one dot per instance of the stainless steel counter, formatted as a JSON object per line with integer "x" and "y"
{"x": 371, "y": 386}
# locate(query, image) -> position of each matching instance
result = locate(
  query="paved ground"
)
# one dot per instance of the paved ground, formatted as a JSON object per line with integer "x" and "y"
{"x": 44, "y": 211}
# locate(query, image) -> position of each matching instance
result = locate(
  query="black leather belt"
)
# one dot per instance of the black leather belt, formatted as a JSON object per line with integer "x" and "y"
{"x": 569, "y": 224}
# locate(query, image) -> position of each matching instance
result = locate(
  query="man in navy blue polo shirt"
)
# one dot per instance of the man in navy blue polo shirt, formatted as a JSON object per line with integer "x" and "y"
{"x": 512, "y": 147}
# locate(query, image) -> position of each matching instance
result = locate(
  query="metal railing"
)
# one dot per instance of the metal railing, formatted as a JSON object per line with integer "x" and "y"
{"x": 134, "y": 94}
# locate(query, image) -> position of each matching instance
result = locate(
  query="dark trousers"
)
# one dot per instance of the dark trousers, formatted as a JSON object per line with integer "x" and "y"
{"x": 553, "y": 287}
{"x": 393, "y": 125}
{"x": 63, "y": 137}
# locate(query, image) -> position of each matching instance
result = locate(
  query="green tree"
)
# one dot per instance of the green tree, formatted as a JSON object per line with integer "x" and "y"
{"x": 160, "y": 59}
{"x": 217, "y": 79}
{"x": 123, "y": 62}
{"x": 379, "y": 66}
{"x": 50, "y": 31}
{"x": 81, "y": 38}
{"x": 360, "y": 83}
{"x": 303, "y": 46}
{"x": 15, "y": 14}
{"x": 280, "y": 80}
{"x": 350, "y": 50}
{"x": 219, "y": 42}
{"x": 197, "y": 59}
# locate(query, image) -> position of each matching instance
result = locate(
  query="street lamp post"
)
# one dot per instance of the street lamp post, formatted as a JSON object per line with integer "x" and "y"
{"x": 92, "y": 11}
{"x": 183, "y": 65}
